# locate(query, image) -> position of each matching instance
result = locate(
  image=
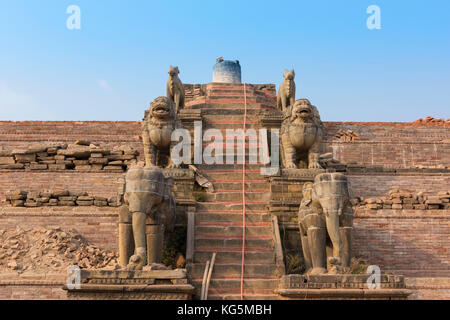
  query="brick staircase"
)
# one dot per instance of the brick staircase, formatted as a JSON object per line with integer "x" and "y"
{"x": 218, "y": 220}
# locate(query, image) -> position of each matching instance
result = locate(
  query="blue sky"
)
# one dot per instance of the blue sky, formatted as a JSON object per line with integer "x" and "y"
{"x": 117, "y": 63}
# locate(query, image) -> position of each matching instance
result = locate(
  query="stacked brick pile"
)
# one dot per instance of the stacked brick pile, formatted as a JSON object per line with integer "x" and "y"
{"x": 57, "y": 198}
{"x": 81, "y": 155}
{"x": 44, "y": 249}
{"x": 346, "y": 135}
{"x": 193, "y": 91}
{"x": 398, "y": 199}
{"x": 432, "y": 121}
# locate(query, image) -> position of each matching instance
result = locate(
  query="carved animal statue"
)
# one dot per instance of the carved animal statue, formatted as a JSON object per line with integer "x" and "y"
{"x": 159, "y": 123}
{"x": 301, "y": 136}
{"x": 325, "y": 222}
{"x": 149, "y": 213}
{"x": 175, "y": 89}
{"x": 286, "y": 93}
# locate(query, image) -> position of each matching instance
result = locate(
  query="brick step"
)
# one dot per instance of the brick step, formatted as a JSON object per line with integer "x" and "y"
{"x": 226, "y": 287}
{"x": 237, "y": 196}
{"x": 254, "y": 270}
{"x": 232, "y": 112}
{"x": 238, "y": 122}
{"x": 231, "y": 224}
{"x": 223, "y": 236}
{"x": 235, "y": 156}
{"x": 235, "y": 256}
{"x": 229, "y": 244}
{"x": 234, "y": 175}
{"x": 246, "y": 297}
{"x": 221, "y": 85}
{"x": 233, "y": 121}
{"x": 233, "y": 145}
{"x": 223, "y": 125}
{"x": 232, "y": 231}
{"x": 238, "y": 96}
{"x": 233, "y": 249}
{"x": 236, "y": 185}
{"x": 230, "y": 168}
{"x": 213, "y": 291}
{"x": 238, "y": 90}
{"x": 228, "y": 104}
{"x": 233, "y": 206}
{"x": 231, "y": 217}
{"x": 230, "y": 171}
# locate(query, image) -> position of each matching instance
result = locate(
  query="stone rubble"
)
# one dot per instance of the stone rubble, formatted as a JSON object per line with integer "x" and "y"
{"x": 399, "y": 199}
{"x": 346, "y": 135}
{"x": 50, "y": 249}
{"x": 81, "y": 156}
{"x": 50, "y": 198}
{"x": 432, "y": 121}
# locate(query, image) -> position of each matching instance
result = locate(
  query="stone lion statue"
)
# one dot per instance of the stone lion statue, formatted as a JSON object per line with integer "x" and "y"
{"x": 301, "y": 136}
{"x": 175, "y": 89}
{"x": 286, "y": 93}
{"x": 159, "y": 123}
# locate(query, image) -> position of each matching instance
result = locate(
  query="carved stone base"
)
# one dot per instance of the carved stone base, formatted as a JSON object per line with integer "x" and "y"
{"x": 344, "y": 286}
{"x": 132, "y": 285}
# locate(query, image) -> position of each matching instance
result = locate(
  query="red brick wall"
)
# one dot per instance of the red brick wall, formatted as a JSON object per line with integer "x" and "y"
{"x": 102, "y": 184}
{"x": 394, "y": 145}
{"x": 414, "y": 243}
{"x": 377, "y": 184}
{"x": 31, "y": 290}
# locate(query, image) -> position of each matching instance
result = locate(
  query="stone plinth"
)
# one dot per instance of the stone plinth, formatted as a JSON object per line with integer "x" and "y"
{"x": 342, "y": 286}
{"x": 132, "y": 285}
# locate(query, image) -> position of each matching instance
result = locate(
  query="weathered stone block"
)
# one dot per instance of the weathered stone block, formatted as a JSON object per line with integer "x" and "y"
{"x": 83, "y": 167}
{"x": 98, "y": 160}
{"x": 24, "y": 158}
{"x": 85, "y": 203}
{"x": 58, "y": 166}
{"x": 36, "y": 166}
{"x": 66, "y": 203}
{"x": 7, "y": 160}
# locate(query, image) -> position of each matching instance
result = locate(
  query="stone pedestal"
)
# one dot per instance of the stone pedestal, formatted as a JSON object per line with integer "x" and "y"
{"x": 132, "y": 285}
{"x": 343, "y": 286}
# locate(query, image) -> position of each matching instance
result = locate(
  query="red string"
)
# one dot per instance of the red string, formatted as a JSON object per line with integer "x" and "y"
{"x": 243, "y": 194}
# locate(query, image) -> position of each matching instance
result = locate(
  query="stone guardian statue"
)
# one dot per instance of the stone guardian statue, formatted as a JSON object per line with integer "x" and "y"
{"x": 151, "y": 207}
{"x": 159, "y": 123}
{"x": 325, "y": 222}
{"x": 301, "y": 136}
{"x": 286, "y": 93}
{"x": 175, "y": 89}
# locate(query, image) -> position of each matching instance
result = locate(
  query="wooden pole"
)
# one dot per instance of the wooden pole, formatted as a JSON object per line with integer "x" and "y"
{"x": 213, "y": 259}
{"x": 205, "y": 275}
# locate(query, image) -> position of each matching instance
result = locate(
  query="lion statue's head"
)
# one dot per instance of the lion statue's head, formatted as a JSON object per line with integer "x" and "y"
{"x": 289, "y": 74}
{"x": 302, "y": 111}
{"x": 173, "y": 71}
{"x": 161, "y": 108}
